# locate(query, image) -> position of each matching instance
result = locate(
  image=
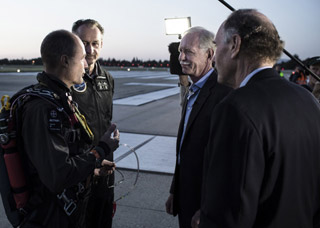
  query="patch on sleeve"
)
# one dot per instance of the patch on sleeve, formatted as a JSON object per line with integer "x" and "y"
{"x": 54, "y": 121}
{"x": 80, "y": 87}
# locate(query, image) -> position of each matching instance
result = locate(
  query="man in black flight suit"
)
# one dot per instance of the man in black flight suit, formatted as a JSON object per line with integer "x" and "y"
{"x": 51, "y": 130}
{"x": 94, "y": 97}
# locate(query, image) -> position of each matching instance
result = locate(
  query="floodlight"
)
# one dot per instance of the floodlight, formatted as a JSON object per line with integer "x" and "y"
{"x": 177, "y": 26}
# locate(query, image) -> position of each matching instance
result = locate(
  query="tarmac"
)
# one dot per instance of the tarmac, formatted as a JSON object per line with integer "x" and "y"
{"x": 147, "y": 113}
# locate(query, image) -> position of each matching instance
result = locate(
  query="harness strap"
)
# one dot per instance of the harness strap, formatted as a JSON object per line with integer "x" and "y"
{"x": 81, "y": 118}
{"x": 5, "y": 103}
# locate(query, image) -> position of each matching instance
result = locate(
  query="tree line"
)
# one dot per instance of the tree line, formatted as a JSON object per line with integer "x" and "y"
{"x": 110, "y": 62}
{"x": 135, "y": 62}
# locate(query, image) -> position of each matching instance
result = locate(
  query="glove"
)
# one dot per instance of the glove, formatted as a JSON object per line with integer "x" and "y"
{"x": 109, "y": 143}
{"x": 106, "y": 168}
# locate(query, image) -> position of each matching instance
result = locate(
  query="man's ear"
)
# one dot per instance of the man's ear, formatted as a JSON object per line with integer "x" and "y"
{"x": 64, "y": 60}
{"x": 101, "y": 43}
{"x": 235, "y": 45}
{"x": 210, "y": 54}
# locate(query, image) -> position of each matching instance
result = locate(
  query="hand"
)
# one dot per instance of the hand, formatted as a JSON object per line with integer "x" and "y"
{"x": 111, "y": 141}
{"x": 169, "y": 204}
{"x": 107, "y": 168}
{"x": 195, "y": 221}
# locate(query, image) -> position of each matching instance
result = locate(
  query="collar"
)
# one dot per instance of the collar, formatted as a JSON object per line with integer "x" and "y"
{"x": 203, "y": 80}
{"x": 96, "y": 71}
{"x": 52, "y": 82}
{"x": 249, "y": 76}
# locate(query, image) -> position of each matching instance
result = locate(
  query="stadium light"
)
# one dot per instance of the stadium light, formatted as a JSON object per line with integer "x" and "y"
{"x": 177, "y": 26}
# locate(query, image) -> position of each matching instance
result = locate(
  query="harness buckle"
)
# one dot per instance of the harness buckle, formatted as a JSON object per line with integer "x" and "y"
{"x": 69, "y": 205}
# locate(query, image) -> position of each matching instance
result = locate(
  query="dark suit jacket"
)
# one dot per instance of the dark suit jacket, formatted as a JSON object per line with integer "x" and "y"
{"x": 186, "y": 184}
{"x": 262, "y": 166}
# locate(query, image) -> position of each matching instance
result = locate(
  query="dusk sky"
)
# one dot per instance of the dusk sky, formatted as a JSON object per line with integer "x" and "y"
{"x": 137, "y": 28}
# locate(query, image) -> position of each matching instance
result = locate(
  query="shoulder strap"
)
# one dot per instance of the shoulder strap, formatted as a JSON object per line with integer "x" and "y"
{"x": 25, "y": 94}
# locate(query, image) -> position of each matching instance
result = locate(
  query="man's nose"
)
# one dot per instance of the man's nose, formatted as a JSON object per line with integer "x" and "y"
{"x": 89, "y": 49}
{"x": 181, "y": 56}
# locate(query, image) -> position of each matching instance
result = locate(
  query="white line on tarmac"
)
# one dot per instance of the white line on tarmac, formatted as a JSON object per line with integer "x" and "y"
{"x": 147, "y": 97}
{"x": 158, "y": 155}
{"x": 151, "y": 84}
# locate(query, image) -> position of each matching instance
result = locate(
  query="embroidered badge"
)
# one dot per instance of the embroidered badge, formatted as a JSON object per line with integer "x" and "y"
{"x": 102, "y": 85}
{"x": 80, "y": 87}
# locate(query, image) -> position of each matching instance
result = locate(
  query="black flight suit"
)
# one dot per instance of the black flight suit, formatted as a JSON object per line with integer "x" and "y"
{"x": 54, "y": 161}
{"x": 94, "y": 98}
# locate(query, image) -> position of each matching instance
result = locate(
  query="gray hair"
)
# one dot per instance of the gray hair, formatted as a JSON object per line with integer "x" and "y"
{"x": 206, "y": 37}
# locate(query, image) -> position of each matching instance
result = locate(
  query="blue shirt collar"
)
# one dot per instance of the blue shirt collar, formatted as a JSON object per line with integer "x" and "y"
{"x": 249, "y": 76}
{"x": 203, "y": 80}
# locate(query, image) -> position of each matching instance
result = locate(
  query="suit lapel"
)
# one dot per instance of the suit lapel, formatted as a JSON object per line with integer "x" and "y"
{"x": 183, "y": 113}
{"x": 201, "y": 99}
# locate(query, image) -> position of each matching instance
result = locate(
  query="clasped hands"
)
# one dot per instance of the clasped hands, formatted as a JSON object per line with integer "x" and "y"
{"x": 107, "y": 168}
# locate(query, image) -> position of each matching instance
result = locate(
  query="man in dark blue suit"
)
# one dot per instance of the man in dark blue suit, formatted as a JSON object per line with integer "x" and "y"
{"x": 196, "y": 56}
{"x": 262, "y": 162}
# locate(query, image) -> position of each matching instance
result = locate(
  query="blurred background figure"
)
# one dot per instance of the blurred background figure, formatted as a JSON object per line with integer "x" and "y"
{"x": 314, "y": 84}
{"x": 298, "y": 76}
{"x": 278, "y": 69}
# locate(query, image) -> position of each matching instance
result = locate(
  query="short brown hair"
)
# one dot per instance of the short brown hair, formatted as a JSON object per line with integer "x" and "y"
{"x": 88, "y": 22}
{"x": 259, "y": 37}
{"x": 56, "y": 44}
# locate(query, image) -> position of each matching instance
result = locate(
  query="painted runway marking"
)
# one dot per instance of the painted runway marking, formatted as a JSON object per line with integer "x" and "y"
{"x": 147, "y": 97}
{"x": 151, "y": 84}
{"x": 156, "y": 155}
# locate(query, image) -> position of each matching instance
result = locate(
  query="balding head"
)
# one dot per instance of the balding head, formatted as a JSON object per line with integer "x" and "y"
{"x": 63, "y": 56}
{"x": 260, "y": 40}
{"x": 55, "y": 45}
